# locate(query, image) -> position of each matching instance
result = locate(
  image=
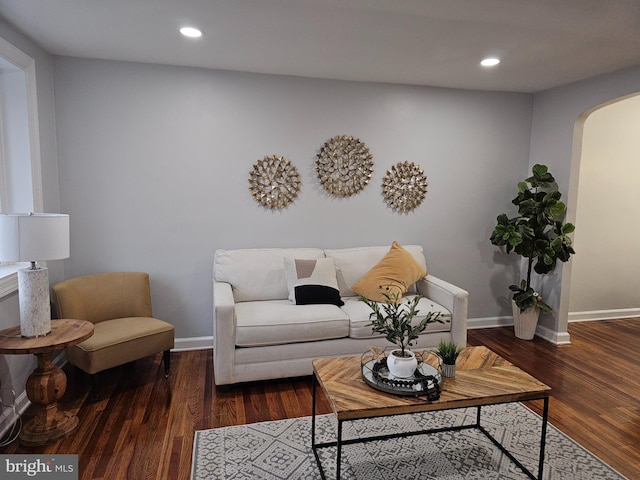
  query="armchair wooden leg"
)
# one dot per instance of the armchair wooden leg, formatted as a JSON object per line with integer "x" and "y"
{"x": 94, "y": 386}
{"x": 166, "y": 358}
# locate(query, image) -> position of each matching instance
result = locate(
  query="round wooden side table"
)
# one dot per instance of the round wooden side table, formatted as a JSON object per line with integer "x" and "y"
{"x": 47, "y": 384}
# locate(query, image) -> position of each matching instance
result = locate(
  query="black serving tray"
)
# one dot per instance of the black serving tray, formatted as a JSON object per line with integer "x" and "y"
{"x": 425, "y": 381}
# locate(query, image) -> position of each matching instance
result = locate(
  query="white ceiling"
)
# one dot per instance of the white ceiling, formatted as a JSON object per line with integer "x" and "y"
{"x": 542, "y": 43}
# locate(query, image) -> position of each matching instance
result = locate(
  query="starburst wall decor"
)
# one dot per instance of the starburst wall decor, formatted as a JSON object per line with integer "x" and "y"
{"x": 404, "y": 187}
{"x": 344, "y": 166}
{"x": 274, "y": 182}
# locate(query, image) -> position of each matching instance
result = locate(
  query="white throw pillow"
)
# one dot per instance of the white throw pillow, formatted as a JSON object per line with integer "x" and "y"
{"x": 312, "y": 281}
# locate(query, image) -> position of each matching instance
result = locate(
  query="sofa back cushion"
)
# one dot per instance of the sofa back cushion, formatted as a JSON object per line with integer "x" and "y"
{"x": 258, "y": 273}
{"x": 353, "y": 263}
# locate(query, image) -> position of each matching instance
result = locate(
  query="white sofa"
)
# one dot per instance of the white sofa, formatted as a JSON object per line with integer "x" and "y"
{"x": 260, "y": 334}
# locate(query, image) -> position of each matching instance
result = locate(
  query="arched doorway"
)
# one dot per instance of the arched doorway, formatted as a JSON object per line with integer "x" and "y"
{"x": 604, "y": 274}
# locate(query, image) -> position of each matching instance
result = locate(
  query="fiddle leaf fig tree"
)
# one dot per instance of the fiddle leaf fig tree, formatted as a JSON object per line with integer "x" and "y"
{"x": 537, "y": 233}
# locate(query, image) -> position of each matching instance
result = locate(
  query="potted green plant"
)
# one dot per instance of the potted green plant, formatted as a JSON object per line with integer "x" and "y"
{"x": 448, "y": 352}
{"x": 539, "y": 235}
{"x": 394, "y": 319}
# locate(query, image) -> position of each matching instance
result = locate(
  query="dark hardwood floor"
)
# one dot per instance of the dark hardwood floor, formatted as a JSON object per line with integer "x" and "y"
{"x": 141, "y": 426}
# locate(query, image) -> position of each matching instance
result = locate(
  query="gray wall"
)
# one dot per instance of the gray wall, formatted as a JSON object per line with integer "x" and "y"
{"x": 154, "y": 162}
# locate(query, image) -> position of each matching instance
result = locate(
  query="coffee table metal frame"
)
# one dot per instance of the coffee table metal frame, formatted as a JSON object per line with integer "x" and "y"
{"x": 340, "y": 442}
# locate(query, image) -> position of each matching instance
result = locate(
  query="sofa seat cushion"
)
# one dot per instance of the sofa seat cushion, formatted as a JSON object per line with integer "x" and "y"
{"x": 359, "y": 313}
{"x": 277, "y": 322}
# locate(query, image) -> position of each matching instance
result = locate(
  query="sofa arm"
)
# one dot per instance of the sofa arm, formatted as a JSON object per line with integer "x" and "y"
{"x": 224, "y": 332}
{"x": 453, "y": 298}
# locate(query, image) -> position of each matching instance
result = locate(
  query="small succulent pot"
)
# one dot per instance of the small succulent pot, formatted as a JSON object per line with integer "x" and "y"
{"x": 448, "y": 370}
{"x": 448, "y": 352}
{"x": 402, "y": 367}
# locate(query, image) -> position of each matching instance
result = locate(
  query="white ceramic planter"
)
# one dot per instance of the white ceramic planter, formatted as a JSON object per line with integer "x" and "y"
{"x": 525, "y": 323}
{"x": 402, "y": 367}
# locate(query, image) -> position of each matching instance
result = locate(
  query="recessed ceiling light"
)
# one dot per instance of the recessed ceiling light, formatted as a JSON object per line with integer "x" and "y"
{"x": 490, "y": 62}
{"x": 191, "y": 32}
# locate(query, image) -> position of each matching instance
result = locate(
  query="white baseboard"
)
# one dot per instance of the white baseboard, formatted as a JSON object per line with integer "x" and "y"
{"x": 193, "y": 343}
{"x": 557, "y": 338}
{"x": 604, "y": 314}
{"x": 489, "y": 322}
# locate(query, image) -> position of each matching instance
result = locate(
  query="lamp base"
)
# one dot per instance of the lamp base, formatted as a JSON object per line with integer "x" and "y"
{"x": 35, "y": 309}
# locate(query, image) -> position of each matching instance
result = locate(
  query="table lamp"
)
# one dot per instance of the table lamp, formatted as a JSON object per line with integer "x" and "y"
{"x": 32, "y": 237}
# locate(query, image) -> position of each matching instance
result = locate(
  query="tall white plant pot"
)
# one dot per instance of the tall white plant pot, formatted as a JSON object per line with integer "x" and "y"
{"x": 525, "y": 323}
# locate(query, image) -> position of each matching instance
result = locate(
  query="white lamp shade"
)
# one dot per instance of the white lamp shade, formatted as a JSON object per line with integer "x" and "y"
{"x": 32, "y": 237}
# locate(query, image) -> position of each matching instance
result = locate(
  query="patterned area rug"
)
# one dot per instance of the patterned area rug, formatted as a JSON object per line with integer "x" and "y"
{"x": 282, "y": 449}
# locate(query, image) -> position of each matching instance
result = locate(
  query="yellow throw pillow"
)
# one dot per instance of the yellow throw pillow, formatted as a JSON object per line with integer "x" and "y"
{"x": 397, "y": 271}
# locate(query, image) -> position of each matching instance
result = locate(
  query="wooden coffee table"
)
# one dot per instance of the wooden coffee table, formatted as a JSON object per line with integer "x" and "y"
{"x": 482, "y": 378}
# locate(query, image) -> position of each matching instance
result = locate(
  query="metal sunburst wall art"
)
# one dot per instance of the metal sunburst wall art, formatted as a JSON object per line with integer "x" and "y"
{"x": 344, "y": 166}
{"x": 404, "y": 187}
{"x": 274, "y": 182}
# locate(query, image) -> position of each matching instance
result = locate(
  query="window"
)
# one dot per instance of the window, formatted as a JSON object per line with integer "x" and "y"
{"x": 17, "y": 189}
{"x": 20, "y": 177}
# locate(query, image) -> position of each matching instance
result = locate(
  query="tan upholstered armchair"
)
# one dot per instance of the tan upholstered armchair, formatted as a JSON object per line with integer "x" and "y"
{"x": 119, "y": 304}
